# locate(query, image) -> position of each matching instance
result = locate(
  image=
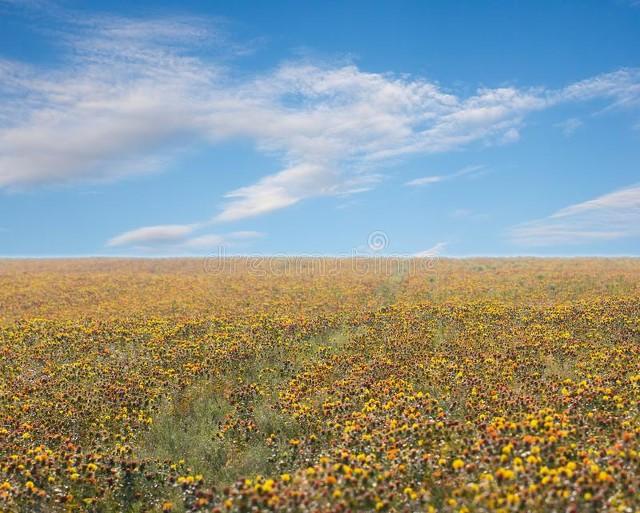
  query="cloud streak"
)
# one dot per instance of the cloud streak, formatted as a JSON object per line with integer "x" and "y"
{"x": 176, "y": 237}
{"x": 470, "y": 171}
{"x": 612, "y": 216}
{"x": 433, "y": 252}
{"x": 570, "y": 126}
{"x": 153, "y": 235}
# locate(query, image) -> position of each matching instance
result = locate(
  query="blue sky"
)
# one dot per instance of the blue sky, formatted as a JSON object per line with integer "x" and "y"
{"x": 467, "y": 128}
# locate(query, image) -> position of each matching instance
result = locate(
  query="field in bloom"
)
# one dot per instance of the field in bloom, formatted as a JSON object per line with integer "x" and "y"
{"x": 316, "y": 385}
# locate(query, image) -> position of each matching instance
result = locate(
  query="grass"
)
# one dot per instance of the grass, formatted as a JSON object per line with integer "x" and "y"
{"x": 192, "y": 425}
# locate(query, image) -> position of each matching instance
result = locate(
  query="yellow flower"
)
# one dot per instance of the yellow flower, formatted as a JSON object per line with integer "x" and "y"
{"x": 267, "y": 486}
{"x": 505, "y": 473}
{"x": 457, "y": 464}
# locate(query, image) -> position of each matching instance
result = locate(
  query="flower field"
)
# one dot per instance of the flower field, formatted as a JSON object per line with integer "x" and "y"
{"x": 466, "y": 386}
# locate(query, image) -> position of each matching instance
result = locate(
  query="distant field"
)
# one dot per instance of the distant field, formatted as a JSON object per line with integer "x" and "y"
{"x": 320, "y": 385}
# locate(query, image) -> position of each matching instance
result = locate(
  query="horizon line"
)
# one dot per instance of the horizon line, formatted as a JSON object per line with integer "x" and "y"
{"x": 319, "y": 256}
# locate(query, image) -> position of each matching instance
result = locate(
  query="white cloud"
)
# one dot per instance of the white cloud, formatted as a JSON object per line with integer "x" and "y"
{"x": 178, "y": 237}
{"x": 622, "y": 87}
{"x": 110, "y": 111}
{"x": 470, "y": 171}
{"x": 153, "y": 235}
{"x": 612, "y": 216}
{"x": 209, "y": 241}
{"x": 569, "y": 126}
{"x": 131, "y": 93}
{"x": 205, "y": 242}
{"x": 433, "y": 251}
{"x": 277, "y": 191}
{"x": 425, "y": 180}
{"x": 510, "y": 136}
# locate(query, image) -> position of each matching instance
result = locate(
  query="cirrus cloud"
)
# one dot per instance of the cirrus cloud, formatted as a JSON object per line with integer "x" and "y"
{"x": 180, "y": 237}
{"x": 615, "y": 215}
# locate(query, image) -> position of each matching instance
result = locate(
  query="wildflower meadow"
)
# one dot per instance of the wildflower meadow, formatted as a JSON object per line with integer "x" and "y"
{"x": 467, "y": 386}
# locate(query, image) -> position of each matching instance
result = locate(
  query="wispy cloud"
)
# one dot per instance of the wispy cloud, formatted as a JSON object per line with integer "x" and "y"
{"x": 475, "y": 170}
{"x": 426, "y": 180}
{"x": 569, "y": 126}
{"x": 621, "y": 87}
{"x": 153, "y": 235}
{"x": 119, "y": 101}
{"x": 434, "y": 251}
{"x": 178, "y": 237}
{"x": 612, "y": 216}
{"x": 131, "y": 93}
